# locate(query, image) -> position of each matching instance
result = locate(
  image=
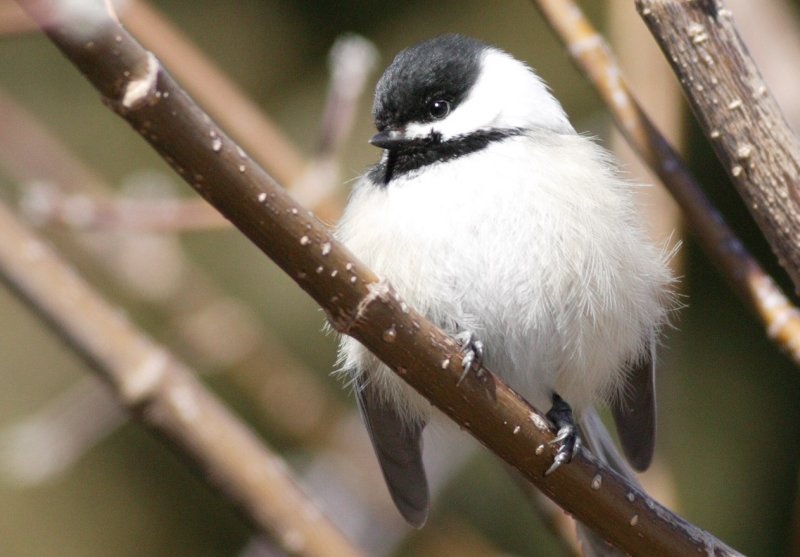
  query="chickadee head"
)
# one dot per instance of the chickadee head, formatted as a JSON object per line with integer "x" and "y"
{"x": 452, "y": 86}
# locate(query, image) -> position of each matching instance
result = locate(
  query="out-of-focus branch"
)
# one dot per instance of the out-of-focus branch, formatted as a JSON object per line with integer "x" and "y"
{"x": 48, "y": 206}
{"x": 39, "y": 447}
{"x": 652, "y": 79}
{"x": 13, "y": 20}
{"x": 737, "y": 113}
{"x": 590, "y": 52}
{"x": 210, "y": 330}
{"x": 29, "y": 154}
{"x": 357, "y": 303}
{"x": 163, "y": 392}
{"x": 351, "y": 60}
{"x": 213, "y": 90}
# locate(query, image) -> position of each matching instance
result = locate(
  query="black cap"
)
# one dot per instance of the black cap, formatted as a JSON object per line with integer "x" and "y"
{"x": 444, "y": 67}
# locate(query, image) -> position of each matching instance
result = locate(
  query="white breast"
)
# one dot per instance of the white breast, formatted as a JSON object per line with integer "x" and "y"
{"x": 534, "y": 245}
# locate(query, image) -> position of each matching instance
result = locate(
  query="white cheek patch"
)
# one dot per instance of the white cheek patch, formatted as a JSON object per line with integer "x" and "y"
{"x": 474, "y": 113}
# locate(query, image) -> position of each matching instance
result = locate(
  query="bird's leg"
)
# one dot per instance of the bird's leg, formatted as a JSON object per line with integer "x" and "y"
{"x": 472, "y": 350}
{"x": 560, "y": 415}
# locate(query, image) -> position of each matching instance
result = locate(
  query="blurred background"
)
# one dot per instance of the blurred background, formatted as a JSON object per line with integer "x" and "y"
{"x": 77, "y": 479}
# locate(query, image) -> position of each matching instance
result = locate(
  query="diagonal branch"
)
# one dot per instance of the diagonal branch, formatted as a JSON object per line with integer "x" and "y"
{"x": 213, "y": 331}
{"x": 221, "y": 97}
{"x": 133, "y": 83}
{"x": 590, "y": 52}
{"x": 747, "y": 130}
{"x": 164, "y": 393}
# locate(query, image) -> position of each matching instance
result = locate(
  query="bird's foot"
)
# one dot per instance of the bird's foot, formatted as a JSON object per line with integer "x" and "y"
{"x": 560, "y": 415}
{"x": 472, "y": 351}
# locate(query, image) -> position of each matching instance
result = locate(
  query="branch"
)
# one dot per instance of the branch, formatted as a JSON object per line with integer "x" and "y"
{"x": 133, "y": 83}
{"x": 47, "y": 441}
{"x": 13, "y": 20}
{"x": 47, "y": 206}
{"x": 213, "y": 331}
{"x": 748, "y": 279}
{"x": 775, "y": 58}
{"x": 164, "y": 393}
{"x": 740, "y": 117}
{"x": 352, "y": 58}
{"x": 222, "y": 98}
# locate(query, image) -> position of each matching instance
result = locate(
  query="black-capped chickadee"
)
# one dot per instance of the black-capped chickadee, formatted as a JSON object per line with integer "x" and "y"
{"x": 490, "y": 215}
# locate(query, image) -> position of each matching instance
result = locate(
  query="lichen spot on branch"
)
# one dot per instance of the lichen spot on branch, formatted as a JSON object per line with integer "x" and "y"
{"x": 378, "y": 292}
{"x": 139, "y": 383}
{"x": 141, "y": 85}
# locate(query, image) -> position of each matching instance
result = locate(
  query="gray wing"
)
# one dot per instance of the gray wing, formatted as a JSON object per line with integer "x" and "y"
{"x": 398, "y": 447}
{"x": 635, "y": 414}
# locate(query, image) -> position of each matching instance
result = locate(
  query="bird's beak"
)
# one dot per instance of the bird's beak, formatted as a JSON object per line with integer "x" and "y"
{"x": 389, "y": 139}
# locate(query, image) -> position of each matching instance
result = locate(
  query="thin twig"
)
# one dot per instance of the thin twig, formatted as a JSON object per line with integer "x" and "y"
{"x": 45, "y": 443}
{"x": 738, "y": 114}
{"x": 351, "y": 60}
{"x": 13, "y": 20}
{"x": 132, "y": 82}
{"x": 223, "y": 99}
{"x": 213, "y": 331}
{"x": 652, "y": 79}
{"x": 163, "y": 392}
{"x": 748, "y": 279}
{"x": 47, "y": 206}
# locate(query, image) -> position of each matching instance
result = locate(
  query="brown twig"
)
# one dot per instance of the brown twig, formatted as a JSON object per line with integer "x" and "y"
{"x": 213, "y": 331}
{"x": 357, "y": 303}
{"x": 652, "y": 79}
{"x": 13, "y": 20}
{"x": 781, "y": 319}
{"x": 737, "y": 113}
{"x": 163, "y": 392}
{"x": 213, "y": 90}
{"x": 48, "y": 441}
{"x": 351, "y": 60}
{"x": 48, "y": 206}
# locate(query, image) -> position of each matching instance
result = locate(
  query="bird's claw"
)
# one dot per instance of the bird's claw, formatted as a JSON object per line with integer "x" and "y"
{"x": 566, "y": 433}
{"x": 472, "y": 350}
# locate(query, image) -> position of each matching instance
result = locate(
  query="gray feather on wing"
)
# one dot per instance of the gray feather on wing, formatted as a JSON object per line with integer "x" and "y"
{"x": 635, "y": 414}
{"x": 398, "y": 446}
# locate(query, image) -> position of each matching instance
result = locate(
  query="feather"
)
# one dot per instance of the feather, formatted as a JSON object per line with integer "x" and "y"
{"x": 398, "y": 446}
{"x": 635, "y": 413}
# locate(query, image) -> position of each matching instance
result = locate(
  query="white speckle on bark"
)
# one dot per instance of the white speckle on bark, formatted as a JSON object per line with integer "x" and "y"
{"x": 137, "y": 90}
{"x": 744, "y": 151}
{"x": 539, "y": 422}
{"x": 141, "y": 381}
{"x": 184, "y": 403}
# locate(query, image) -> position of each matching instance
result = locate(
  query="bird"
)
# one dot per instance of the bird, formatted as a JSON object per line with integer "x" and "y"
{"x": 492, "y": 216}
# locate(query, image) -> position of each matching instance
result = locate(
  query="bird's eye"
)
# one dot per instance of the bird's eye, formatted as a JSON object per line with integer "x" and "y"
{"x": 438, "y": 109}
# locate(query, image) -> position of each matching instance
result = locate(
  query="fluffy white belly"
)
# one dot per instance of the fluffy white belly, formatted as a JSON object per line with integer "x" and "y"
{"x": 553, "y": 275}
